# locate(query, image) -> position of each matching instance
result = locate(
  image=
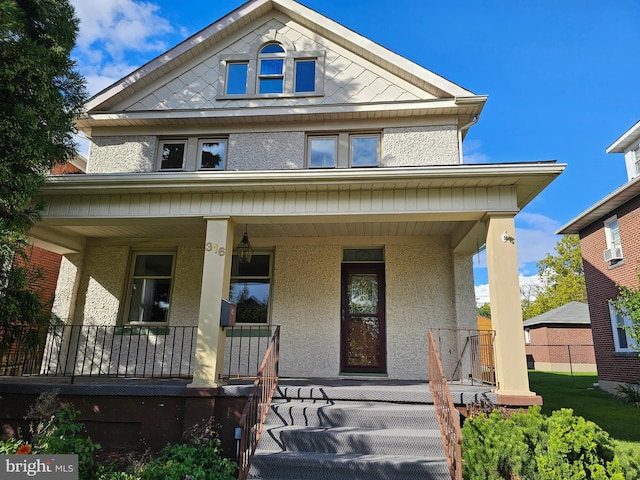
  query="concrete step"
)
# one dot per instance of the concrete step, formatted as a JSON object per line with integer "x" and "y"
{"x": 329, "y": 413}
{"x": 272, "y": 465}
{"x": 353, "y": 440}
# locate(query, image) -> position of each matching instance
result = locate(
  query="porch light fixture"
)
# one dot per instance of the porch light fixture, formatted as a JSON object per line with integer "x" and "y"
{"x": 244, "y": 249}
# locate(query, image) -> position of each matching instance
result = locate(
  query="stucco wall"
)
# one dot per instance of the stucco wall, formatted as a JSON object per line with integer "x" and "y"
{"x": 419, "y": 146}
{"x": 266, "y": 151}
{"x": 101, "y": 285}
{"x": 123, "y": 154}
{"x": 306, "y": 303}
{"x": 419, "y": 296}
{"x": 105, "y": 274}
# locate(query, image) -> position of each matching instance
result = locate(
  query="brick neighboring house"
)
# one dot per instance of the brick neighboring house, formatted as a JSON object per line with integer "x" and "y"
{"x": 560, "y": 340}
{"x": 609, "y": 240}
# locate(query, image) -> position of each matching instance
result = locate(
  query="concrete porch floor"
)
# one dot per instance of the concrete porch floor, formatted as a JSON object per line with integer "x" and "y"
{"x": 347, "y": 388}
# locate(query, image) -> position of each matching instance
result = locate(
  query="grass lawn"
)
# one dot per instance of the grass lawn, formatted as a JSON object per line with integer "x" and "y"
{"x": 561, "y": 390}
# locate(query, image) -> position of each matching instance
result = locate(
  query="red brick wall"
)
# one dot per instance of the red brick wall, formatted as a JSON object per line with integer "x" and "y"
{"x": 549, "y": 344}
{"x": 601, "y": 280}
{"x": 49, "y": 263}
{"x": 65, "y": 168}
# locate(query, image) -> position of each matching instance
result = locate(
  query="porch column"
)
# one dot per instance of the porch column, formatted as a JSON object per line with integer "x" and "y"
{"x": 216, "y": 272}
{"x": 506, "y": 313}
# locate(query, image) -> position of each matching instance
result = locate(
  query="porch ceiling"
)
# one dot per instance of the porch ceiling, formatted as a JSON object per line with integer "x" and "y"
{"x": 261, "y": 231}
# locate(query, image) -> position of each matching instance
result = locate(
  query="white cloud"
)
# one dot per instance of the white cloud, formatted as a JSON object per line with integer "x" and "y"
{"x": 535, "y": 237}
{"x": 115, "y": 37}
{"x": 528, "y": 283}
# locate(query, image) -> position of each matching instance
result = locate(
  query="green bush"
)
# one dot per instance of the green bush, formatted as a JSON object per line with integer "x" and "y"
{"x": 63, "y": 434}
{"x": 529, "y": 445}
{"x": 193, "y": 462}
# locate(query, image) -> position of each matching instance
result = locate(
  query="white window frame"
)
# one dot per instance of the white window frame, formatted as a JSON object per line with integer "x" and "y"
{"x": 617, "y": 322}
{"x": 201, "y": 143}
{"x": 132, "y": 278}
{"x": 608, "y": 232}
{"x": 167, "y": 141}
{"x": 636, "y": 159}
{"x": 527, "y": 335}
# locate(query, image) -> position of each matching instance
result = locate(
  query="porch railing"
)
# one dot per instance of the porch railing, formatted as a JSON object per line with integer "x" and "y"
{"x": 245, "y": 349}
{"x": 467, "y": 355}
{"x": 98, "y": 351}
{"x": 446, "y": 412}
{"x": 258, "y": 403}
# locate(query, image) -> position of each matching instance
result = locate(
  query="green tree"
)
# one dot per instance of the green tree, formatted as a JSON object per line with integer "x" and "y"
{"x": 484, "y": 310}
{"x": 41, "y": 93}
{"x": 561, "y": 279}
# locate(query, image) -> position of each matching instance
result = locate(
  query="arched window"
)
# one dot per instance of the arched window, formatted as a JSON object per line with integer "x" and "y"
{"x": 271, "y": 69}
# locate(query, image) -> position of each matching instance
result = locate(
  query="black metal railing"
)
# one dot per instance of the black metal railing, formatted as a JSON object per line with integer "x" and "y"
{"x": 258, "y": 404}
{"x": 467, "y": 355}
{"x": 95, "y": 351}
{"x": 245, "y": 349}
{"x": 445, "y": 411}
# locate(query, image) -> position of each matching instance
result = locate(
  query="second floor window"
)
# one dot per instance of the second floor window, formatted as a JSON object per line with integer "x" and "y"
{"x": 612, "y": 233}
{"x": 172, "y": 154}
{"x": 212, "y": 154}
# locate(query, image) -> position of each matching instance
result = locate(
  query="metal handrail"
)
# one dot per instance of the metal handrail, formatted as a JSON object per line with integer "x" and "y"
{"x": 445, "y": 411}
{"x": 257, "y": 406}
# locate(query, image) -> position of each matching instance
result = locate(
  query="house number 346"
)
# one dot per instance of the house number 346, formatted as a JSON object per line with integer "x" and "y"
{"x": 213, "y": 247}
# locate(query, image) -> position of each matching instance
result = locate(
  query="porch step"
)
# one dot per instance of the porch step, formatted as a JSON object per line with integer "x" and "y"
{"x": 353, "y": 432}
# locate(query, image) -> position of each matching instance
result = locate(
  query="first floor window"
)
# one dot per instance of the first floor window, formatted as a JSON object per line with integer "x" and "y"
{"x": 172, "y": 154}
{"x": 150, "y": 287}
{"x": 250, "y": 288}
{"x": 619, "y": 323}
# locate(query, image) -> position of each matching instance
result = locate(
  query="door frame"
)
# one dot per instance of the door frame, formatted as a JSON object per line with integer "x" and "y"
{"x": 379, "y": 269}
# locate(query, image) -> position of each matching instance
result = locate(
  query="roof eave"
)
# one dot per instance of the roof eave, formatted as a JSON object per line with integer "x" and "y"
{"x": 602, "y": 208}
{"x": 622, "y": 144}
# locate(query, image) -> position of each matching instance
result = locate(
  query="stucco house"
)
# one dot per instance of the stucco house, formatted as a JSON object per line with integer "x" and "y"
{"x": 335, "y": 162}
{"x": 609, "y": 238}
{"x": 560, "y": 340}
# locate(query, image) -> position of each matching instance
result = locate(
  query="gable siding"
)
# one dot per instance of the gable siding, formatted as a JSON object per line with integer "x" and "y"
{"x": 601, "y": 281}
{"x": 348, "y": 78}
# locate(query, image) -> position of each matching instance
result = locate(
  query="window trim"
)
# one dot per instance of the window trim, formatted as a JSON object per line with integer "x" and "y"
{"x": 611, "y": 242}
{"x": 131, "y": 279}
{"x": 201, "y": 142}
{"x": 179, "y": 141}
{"x": 616, "y": 322}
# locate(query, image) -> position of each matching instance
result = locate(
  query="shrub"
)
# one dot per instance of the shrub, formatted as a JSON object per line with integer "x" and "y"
{"x": 529, "y": 445}
{"x": 630, "y": 392}
{"x": 56, "y": 430}
{"x": 195, "y": 462}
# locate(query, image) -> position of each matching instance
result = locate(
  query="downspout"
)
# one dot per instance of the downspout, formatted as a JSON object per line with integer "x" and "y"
{"x": 473, "y": 121}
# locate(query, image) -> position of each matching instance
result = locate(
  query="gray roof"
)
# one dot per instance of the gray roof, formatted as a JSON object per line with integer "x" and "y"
{"x": 573, "y": 313}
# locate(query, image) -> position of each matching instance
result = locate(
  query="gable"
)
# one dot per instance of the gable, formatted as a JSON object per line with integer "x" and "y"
{"x": 350, "y": 70}
{"x": 345, "y": 77}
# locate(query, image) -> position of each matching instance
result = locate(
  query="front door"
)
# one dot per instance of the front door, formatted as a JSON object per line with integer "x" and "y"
{"x": 363, "y": 338}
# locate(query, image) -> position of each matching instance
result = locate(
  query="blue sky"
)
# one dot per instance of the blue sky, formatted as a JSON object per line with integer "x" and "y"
{"x": 562, "y": 79}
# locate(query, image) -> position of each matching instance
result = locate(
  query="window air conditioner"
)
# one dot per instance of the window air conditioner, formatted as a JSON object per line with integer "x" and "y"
{"x": 612, "y": 254}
